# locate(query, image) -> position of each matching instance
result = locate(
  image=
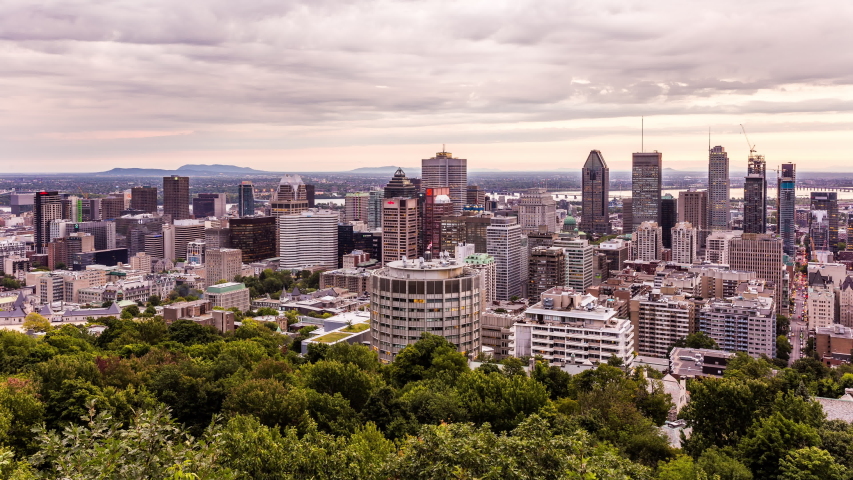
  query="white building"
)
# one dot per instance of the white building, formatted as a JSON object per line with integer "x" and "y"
{"x": 503, "y": 242}
{"x": 177, "y": 236}
{"x": 579, "y": 266}
{"x": 567, "y": 327}
{"x": 821, "y": 307}
{"x": 684, "y": 243}
{"x": 745, "y": 323}
{"x": 717, "y": 249}
{"x": 536, "y": 208}
{"x": 309, "y": 238}
{"x": 648, "y": 241}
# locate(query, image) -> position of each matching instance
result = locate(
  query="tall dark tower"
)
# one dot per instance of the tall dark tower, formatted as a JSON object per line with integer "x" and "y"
{"x": 718, "y": 189}
{"x": 786, "y": 201}
{"x": 646, "y": 184}
{"x": 400, "y": 186}
{"x": 47, "y": 206}
{"x": 176, "y": 197}
{"x": 595, "y": 181}
{"x": 668, "y": 218}
{"x": 144, "y": 199}
{"x": 246, "y": 199}
{"x": 755, "y": 196}
{"x": 827, "y": 201}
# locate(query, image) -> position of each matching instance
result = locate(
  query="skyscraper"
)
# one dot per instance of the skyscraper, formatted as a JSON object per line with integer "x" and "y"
{"x": 399, "y": 229}
{"x": 400, "y": 186}
{"x": 374, "y": 209}
{"x": 209, "y": 205}
{"x": 308, "y": 238}
{"x": 176, "y": 197}
{"x": 579, "y": 263}
{"x": 595, "y": 184}
{"x": 546, "y": 269}
{"x": 668, "y": 218}
{"x": 646, "y": 184}
{"x": 445, "y": 171}
{"x": 762, "y": 254}
{"x": 683, "y": 243}
{"x": 504, "y": 243}
{"x": 254, "y": 236}
{"x": 828, "y": 201}
{"x": 290, "y": 198}
{"x": 786, "y": 200}
{"x": 693, "y": 208}
{"x": 144, "y": 199}
{"x": 536, "y": 208}
{"x": 246, "y": 199}
{"x": 755, "y": 196}
{"x": 718, "y": 190}
{"x": 476, "y": 196}
{"x": 436, "y": 204}
{"x": 47, "y": 208}
{"x": 356, "y": 206}
{"x": 647, "y": 241}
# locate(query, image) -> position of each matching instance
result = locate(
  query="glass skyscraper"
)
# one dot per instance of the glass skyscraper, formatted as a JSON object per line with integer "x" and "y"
{"x": 787, "y": 198}
{"x": 595, "y": 179}
{"x": 646, "y": 178}
{"x": 718, "y": 189}
{"x": 246, "y": 199}
{"x": 755, "y": 196}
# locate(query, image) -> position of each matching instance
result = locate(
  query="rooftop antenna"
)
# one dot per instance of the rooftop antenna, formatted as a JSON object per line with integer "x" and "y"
{"x": 709, "y": 139}
{"x": 642, "y": 134}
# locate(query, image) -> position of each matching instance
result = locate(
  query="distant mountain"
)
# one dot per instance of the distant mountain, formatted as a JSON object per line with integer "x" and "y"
{"x": 191, "y": 169}
{"x": 389, "y": 170}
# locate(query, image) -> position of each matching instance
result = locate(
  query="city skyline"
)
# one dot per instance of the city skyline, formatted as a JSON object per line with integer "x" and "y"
{"x": 87, "y": 88}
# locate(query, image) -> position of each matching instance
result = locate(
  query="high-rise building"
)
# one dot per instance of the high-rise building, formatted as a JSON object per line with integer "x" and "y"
{"x": 445, "y": 171}
{"x": 196, "y": 252}
{"x": 111, "y": 207}
{"x": 309, "y": 238}
{"x": 683, "y": 243}
{"x": 470, "y": 229}
{"x": 536, "y": 208}
{"x": 400, "y": 186}
{"x": 580, "y": 269}
{"x": 819, "y": 231}
{"x": 647, "y": 241}
{"x": 222, "y": 264}
{"x": 176, "y": 237}
{"x": 47, "y": 207}
{"x": 755, "y": 196}
{"x": 786, "y": 203}
{"x": 144, "y": 199}
{"x": 693, "y": 208}
{"x": 746, "y": 323}
{"x": 660, "y": 320}
{"x": 374, "y": 208}
{"x": 504, "y": 244}
{"x": 762, "y": 254}
{"x": 310, "y": 192}
{"x": 718, "y": 190}
{"x": 218, "y": 237}
{"x": 255, "y": 237}
{"x": 668, "y": 218}
{"x": 357, "y": 207}
{"x": 828, "y": 201}
{"x": 617, "y": 251}
{"x": 369, "y": 242}
{"x": 399, "y": 228}
{"x": 290, "y": 197}
{"x": 346, "y": 241}
{"x": 246, "y": 199}
{"x": 646, "y": 185}
{"x": 485, "y": 264}
{"x": 845, "y": 302}
{"x": 209, "y": 205}
{"x": 436, "y": 204}
{"x": 176, "y": 197}
{"x": 546, "y": 269}
{"x": 627, "y": 215}
{"x": 476, "y": 196}
{"x": 104, "y": 233}
{"x": 595, "y": 186}
{"x": 155, "y": 245}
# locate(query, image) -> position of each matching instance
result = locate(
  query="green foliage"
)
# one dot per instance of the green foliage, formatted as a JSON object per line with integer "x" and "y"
{"x": 10, "y": 283}
{"x": 697, "y": 340}
{"x": 428, "y": 358}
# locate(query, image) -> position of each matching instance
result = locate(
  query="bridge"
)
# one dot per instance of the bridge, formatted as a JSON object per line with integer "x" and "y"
{"x": 816, "y": 189}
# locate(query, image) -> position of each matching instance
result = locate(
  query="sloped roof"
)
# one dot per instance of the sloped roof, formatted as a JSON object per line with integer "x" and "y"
{"x": 848, "y": 282}
{"x": 14, "y": 313}
{"x": 837, "y": 408}
{"x": 45, "y": 310}
{"x": 111, "y": 310}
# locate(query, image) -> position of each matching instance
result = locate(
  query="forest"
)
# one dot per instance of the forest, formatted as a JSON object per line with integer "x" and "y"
{"x": 147, "y": 400}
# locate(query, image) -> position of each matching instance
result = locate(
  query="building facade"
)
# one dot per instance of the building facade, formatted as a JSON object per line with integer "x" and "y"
{"x": 684, "y": 243}
{"x": 536, "y": 208}
{"x": 595, "y": 195}
{"x": 290, "y": 198}
{"x": 755, "y": 196}
{"x": 246, "y": 199}
{"x": 176, "y": 197}
{"x": 786, "y": 205}
{"x": 504, "y": 244}
{"x": 255, "y": 237}
{"x": 144, "y": 199}
{"x": 718, "y": 195}
{"x": 444, "y": 170}
{"x": 309, "y": 238}
{"x": 648, "y": 241}
{"x": 399, "y": 229}
{"x": 646, "y": 186}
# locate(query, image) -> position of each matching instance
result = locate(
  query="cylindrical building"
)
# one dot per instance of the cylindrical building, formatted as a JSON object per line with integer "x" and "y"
{"x": 408, "y": 297}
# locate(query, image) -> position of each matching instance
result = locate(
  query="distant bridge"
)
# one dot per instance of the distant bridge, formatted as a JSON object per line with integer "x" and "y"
{"x": 817, "y": 189}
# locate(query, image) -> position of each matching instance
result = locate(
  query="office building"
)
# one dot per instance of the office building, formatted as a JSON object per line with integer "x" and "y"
{"x": 144, "y": 199}
{"x": 222, "y": 264}
{"x": 568, "y": 328}
{"x": 646, "y": 178}
{"x": 399, "y": 228}
{"x": 683, "y": 243}
{"x": 111, "y": 207}
{"x": 821, "y": 306}
{"x": 627, "y": 215}
{"x": 353, "y": 279}
{"x": 546, "y": 269}
{"x": 400, "y": 186}
{"x": 660, "y": 319}
{"x": 470, "y": 229}
{"x": 504, "y": 244}
{"x": 177, "y": 235}
{"x": 47, "y": 208}
{"x": 246, "y": 199}
{"x": 436, "y": 205}
{"x": 693, "y": 208}
{"x": 141, "y": 262}
{"x": 595, "y": 191}
{"x": 290, "y": 197}
{"x": 217, "y": 237}
{"x": 308, "y": 239}
{"x": 103, "y": 232}
{"x": 196, "y": 252}
{"x": 819, "y": 231}
{"x": 786, "y": 205}
{"x": 112, "y": 257}
{"x": 475, "y": 196}
{"x": 356, "y": 207}
{"x": 21, "y": 202}
{"x": 580, "y": 269}
{"x": 176, "y": 197}
{"x": 255, "y": 237}
{"x": 536, "y": 208}
{"x": 617, "y": 251}
{"x": 445, "y": 171}
{"x": 209, "y": 205}
{"x": 718, "y": 199}
{"x": 717, "y": 249}
{"x": 647, "y": 241}
{"x": 745, "y": 323}
{"x": 762, "y": 254}
{"x": 228, "y": 295}
{"x": 845, "y": 302}
{"x": 155, "y": 245}
{"x": 310, "y": 192}
{"x": 368, "y": 242}
{"x": 755, "y": 196}
{"x": 444, "y": 298}
{"x": 828, "y": 201}
{"x": 485, "y": 264}
{"x": 374, "y": 208}
{"x": 668, "y": 218}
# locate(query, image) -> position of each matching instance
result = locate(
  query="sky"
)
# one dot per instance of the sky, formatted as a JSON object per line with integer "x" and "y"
{"x": 331, "y": 85}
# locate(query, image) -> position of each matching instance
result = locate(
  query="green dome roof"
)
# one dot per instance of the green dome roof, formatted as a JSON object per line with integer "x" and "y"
{"x": 570, "y": 220}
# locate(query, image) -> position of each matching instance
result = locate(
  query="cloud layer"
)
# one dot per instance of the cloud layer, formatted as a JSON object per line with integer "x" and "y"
{"x": 264, "y": 83}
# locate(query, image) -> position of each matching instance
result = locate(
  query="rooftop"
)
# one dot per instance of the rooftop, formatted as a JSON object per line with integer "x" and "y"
{"x": 225, "y": 287}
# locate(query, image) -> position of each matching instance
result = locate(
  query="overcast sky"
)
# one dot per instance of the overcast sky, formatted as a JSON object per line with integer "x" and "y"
{"x": 334, "y": 85}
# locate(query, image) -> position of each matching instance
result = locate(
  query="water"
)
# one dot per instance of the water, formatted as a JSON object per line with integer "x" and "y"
{"x": 572, "y": 195}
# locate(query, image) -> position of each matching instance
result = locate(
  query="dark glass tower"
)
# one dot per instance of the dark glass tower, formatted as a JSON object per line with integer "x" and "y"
{"x": 400, "y": 186}
{"x": 718, "y": 189}
{"x": 755, "y": 196}
{"x": 668, "y": 218}
{"x": 787, "y": 198}
{"x": 826, "y": 201}
{"x": 646, "y": 178}
{"x": 176, "y": 197}
{"x": 595, "y": 184}
{"x": 47, "y": 206}
{"x": 144, "y": 199}
{"x": 246, "y": 199}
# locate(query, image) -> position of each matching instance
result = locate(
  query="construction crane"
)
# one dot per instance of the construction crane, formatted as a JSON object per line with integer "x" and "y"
{"x": 85, "y": 195}
{"x": 750, "y": 145}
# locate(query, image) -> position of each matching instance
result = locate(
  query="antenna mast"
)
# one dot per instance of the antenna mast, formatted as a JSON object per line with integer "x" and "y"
{"x": 642, "y": 135}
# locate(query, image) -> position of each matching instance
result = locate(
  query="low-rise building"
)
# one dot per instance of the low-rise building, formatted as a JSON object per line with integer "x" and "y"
{"x": 661, "y": 318}
{"x": 229, "y": 295}
{"x": 698, "y": 362}
{"x": 745, "y": 323}
{"x": 834, "y": 343}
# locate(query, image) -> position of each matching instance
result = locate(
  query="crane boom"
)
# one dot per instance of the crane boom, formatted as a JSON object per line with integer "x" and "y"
{"x": 751, "y": 146}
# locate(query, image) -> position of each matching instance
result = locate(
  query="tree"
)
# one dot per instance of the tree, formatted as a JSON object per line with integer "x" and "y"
{"x": 770, "y": 442}
{"x": 502, "y": 401}
{"x": 154, "y": 300}
{"x": 427, "y": 358}
{"x": 681, "y": 467}
{"x": 698, "y": 340}
{"x": 715, "y": 462}
{"x": 61, "y": 266}
{"x": 191, "y": 333}
{"x": 271, "y": 402}
{"x": 783, "y": 348}
{"x": 809, "y": 463}
{"x": 37, "y": 323}
{"x": 347, "y": 379}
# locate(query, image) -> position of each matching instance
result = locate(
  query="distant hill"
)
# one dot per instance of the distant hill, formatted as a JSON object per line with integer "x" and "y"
{"x": 191, "y": 169}
{"x": 389, "y": 170}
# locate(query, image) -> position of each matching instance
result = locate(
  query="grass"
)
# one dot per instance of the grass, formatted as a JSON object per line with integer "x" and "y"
{"x": 355, "y": 328}
{"x": 331, "y": 337}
